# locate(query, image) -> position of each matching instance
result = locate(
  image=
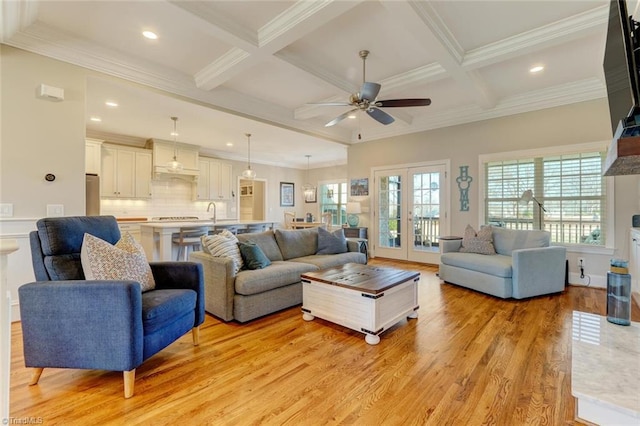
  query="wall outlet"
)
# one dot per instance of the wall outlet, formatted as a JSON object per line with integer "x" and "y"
{"x": 55, "y": 210}
{"x": 6, "y": 210}
{"x": 581, "y": 262}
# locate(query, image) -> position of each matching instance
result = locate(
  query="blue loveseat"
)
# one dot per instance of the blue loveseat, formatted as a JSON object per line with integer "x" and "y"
{"x": 525, "y": 265}
{"x": 69, "y": 322}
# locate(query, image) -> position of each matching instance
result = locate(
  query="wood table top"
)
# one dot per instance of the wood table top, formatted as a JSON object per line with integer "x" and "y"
{"x": 368, "y": 279}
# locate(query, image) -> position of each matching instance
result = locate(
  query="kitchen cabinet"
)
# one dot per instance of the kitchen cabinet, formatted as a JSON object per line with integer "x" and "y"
{"x": 126, "y": 173}
{"x": 214, "y": 180}
{"x": 163, "y": 152}
{"x": 92, "y": 156}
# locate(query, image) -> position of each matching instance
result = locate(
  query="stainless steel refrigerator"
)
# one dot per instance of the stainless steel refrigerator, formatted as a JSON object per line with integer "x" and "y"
{"x": 93, "y": 195}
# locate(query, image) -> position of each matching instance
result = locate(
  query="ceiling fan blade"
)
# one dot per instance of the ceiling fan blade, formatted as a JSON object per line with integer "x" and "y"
{"x": 369, "y": 91}
{"x": 380, "y": 116}
{"x": 390, "y": 103}
{"x": 329, "y": 103}
{"x": 339, "y": 118}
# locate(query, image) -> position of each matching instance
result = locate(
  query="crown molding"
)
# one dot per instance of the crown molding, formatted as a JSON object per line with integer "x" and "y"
{"x": 438, "y": 28}
{"x": 591, "y": 21}
{"x": 16, "y": 16}
{"x": 208, "y": 77}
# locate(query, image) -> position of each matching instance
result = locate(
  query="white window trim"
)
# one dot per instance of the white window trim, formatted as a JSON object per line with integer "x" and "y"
{"x": 557, "y": 150}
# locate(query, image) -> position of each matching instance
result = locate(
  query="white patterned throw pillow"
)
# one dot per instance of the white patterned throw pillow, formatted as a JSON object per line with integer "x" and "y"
{"x": 480, "y": 242}
{"x": 224, "y": 244}
{"x": 125, "y": 260}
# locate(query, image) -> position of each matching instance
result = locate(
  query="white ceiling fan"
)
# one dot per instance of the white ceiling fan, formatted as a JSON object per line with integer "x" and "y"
{"x": 365, "y": 100}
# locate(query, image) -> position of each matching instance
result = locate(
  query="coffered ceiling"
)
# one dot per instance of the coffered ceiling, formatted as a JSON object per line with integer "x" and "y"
{"x": 234, "y": 67}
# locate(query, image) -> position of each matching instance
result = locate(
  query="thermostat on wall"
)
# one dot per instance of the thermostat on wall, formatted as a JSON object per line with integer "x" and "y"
{"x": 50, "y": 93}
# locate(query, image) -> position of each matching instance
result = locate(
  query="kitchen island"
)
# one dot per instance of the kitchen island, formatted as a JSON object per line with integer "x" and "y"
{"x": 156, "y": 236}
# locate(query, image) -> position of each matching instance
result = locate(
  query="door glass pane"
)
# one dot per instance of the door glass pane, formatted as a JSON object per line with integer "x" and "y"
{"x": 426, "y": 210}
{"x": 389, "y": 214}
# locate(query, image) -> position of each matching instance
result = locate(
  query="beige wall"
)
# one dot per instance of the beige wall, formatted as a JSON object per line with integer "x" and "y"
{"x": 40, "y": 137}
{"x": 463, "y": 144}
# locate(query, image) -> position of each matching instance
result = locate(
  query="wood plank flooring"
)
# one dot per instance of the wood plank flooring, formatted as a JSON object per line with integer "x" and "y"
{"x": 469, "y": 359}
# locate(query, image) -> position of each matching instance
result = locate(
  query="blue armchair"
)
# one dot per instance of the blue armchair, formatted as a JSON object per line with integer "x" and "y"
{"x": 68, "y": 322}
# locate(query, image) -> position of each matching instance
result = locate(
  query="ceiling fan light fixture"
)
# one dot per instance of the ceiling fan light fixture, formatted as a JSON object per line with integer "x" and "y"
{"x": 174, "y": 166}
{"x": 248, "y": 173}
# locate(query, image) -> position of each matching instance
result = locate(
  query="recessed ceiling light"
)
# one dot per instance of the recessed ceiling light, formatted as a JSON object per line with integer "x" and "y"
{"x": 351, "y": 116}
{"x": 174, "y": 134}
{"x": 111, "y": 104}
{"x": 96, "y": 119}
{"x": 150, "y": 35}
{"x": 229, "y": 144}
{"x": 536, "y": 69}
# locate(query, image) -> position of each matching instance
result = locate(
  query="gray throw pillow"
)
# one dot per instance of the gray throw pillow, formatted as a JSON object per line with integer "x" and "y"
{"x": 331, "y": 242}
{"x": 481, "y": 243}
{"x": 253, "y": 256}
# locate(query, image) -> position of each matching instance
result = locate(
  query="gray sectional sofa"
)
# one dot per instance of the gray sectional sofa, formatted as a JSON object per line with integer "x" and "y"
{"x": 525, "y": 265}
{"x": 250, "y": 294}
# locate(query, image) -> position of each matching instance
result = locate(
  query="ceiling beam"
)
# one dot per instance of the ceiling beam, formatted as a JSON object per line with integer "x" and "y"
{"x": 16, "y": 16}
{"x": 291, "y": 25}
{"x": 421, "y": 21}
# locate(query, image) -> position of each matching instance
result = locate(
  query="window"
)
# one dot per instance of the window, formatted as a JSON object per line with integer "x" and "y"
{"x": 333, "y": 199}
{"x": 568, "y": 195}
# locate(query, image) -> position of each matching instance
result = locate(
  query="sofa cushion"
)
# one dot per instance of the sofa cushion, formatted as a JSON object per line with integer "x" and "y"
{"x": 480, "y": 242}
{"x": 125, "y": 260}
{"x": 498, "y": 265}
{"x": 224, "y": 244}
{"x": 331, "y": 242}
{"x": 295, "y": 243}
{"x": 507, "y": 240}
{"x": 252, "y": 256}
{"x": 266, "y": 241}
{"x": 324, "y": 261}
{"x": 278, "y": 274}
{"x": 162, "y": 307}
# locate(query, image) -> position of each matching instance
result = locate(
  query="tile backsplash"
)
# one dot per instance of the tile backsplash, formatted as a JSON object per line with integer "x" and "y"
{"x": 169, "y": 198}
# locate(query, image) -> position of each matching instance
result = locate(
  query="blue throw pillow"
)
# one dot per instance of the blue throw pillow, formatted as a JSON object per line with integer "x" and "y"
{"x": 331, "y": 242}
{"x": 253, "y": 256}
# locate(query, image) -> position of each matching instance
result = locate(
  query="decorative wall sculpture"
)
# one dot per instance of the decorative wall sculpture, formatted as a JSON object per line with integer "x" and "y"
{"x": 464, "y": 182}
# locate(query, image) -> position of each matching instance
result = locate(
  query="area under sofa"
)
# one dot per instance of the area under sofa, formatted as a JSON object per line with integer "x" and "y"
{"x": 524, "y": 265}
{"x": 250, "y": 294}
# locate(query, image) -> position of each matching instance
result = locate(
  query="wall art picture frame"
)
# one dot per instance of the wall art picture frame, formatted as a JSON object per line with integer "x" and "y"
{"x": 311, "y": 197}
{"x": 287, "y": 191}
{"x": 359, "y": 187}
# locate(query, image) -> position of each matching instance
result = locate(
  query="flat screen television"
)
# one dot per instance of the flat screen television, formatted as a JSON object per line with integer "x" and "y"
{"x": 620, "y": 65}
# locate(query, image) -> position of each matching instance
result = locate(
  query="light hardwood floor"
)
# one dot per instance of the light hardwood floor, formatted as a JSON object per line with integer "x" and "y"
{"x": 469, "y": 359}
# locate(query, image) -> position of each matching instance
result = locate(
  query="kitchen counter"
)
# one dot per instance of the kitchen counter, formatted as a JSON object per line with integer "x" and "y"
{"x": 156, "y": 236}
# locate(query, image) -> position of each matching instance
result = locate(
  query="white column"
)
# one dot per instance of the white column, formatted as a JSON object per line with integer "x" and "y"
{"x": 6, "y": 247}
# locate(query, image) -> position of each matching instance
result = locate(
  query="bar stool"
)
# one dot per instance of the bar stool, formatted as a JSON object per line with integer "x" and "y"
{"x": 189, "y": 236}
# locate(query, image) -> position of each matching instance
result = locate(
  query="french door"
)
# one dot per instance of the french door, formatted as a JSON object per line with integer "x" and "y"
{"x": 410, "y": 212}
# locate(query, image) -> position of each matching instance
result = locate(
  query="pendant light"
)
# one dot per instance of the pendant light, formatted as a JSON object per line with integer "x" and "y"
{"x": 308, "y": 189}
{"x": 175, "y": 166}
{"x": 248, "y": 173}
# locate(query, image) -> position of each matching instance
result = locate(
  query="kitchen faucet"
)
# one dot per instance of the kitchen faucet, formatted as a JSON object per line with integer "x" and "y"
{"x": 214, "y": 210}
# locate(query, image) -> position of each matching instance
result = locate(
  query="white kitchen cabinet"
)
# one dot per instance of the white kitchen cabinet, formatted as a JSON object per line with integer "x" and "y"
{"x": 92, "y": 156}
{"x": 214, "y": 181}
{"x": 126, "y": 173}
{"x": 163, "y": 152}
{"x": 143, "y": 174}
{"x": 131, "y": 228}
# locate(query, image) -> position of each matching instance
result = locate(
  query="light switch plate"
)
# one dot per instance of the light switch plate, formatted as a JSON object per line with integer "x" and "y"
{"x": 55, "y": 210}
{"x": 6, "y": 210}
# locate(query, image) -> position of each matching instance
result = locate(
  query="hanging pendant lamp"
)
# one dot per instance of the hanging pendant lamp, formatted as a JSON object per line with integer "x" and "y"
{"x": 248, "y": 173}
{"x": 174, "y": 166}
{"x": 308, "y": 189}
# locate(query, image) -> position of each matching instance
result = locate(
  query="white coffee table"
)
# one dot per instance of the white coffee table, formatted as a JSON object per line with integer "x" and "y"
{"x": 363, "y": 298}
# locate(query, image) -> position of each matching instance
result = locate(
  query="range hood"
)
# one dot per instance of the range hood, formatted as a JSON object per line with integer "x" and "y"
{"x": 623, "y": 156}
{"x": 163, "y": 152}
